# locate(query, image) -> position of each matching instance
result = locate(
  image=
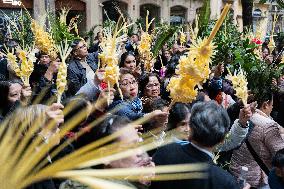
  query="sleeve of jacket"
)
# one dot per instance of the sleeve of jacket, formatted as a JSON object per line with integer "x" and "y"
{"x": 73, "y": 82}
{"x": 127, "y": 112}
{"x": 235, "y": 137}
{"x": 44, "y": 88}
{"x": 124, "y": 109}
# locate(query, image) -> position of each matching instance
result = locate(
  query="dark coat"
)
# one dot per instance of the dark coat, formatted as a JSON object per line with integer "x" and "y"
{"x": 47, "y": 184}
{"x": 4, "y": 73}
{"x": 41, "y": 86}
{"x": 184, "y": 154}
{"x": 76, "y": 73}
{"x": 275, "y": 182}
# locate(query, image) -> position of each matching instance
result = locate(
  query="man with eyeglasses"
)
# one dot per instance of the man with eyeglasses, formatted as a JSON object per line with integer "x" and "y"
{"x": 81, "y": 69}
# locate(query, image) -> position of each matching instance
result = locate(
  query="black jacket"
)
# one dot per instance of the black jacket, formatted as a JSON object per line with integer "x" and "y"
{"x": 4, "y": 73}
{"x": 47, "y": 184}
{"x": 76, "y": 73}
{"x": 43, "y": 88}
{"x": 184, "y": 154}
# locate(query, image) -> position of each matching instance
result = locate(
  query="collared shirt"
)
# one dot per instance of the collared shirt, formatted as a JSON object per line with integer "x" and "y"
{"x": 181, "y": 142}
{"x": 203, "y": 150}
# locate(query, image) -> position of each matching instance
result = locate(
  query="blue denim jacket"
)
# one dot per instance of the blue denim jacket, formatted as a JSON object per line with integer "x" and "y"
{"x": 130, "y": 109}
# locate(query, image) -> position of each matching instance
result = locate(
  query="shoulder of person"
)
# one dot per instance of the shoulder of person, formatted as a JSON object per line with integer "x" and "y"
{"x": 116, "y": 103}
{"x": 262, "y": 121}
{"x": 92, "y": 56}
{"x": 164, "y": 155}
{"x": 72, "y": 63}
{"x": 221, "y": 178}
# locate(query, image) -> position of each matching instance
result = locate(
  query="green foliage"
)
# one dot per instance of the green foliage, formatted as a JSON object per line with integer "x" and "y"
{"x": 236, "y": 51}
{"x": 112, "y": 25}
{"x": 91, "y": 34}
{"x": 204, "y": 16}
{"x": 136, "y": 26}
{"x": 163, "y": 34}
{"x": 227, "y": 41}
{"x": 109, "y": 23}
{"x": 60, "y": 31}
{"x": 19, "y": 28}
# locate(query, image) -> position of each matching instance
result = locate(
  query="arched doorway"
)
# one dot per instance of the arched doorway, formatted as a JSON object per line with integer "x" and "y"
{"x": 111, "y": 10}
{"x": 154, "y": 12}
{"x": 76, "y": 7}
{"x": 178, "y": 15}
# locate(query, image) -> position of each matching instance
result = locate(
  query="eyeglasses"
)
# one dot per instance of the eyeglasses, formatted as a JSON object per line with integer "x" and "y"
{"x": 127, "y": 84}
{"x": 83, "y": 46}
{"x": 149, "y": 86}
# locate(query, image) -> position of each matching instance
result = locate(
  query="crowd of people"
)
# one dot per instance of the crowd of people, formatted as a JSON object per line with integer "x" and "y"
{"x": 242, "y": 144}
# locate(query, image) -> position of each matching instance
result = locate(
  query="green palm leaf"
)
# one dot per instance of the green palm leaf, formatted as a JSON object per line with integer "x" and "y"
{"x": 163, "y": 36}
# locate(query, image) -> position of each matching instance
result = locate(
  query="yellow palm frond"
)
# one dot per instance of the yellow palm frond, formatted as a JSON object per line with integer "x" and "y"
{"x": 194, "y": 68}
{"x": 25, "y": 153}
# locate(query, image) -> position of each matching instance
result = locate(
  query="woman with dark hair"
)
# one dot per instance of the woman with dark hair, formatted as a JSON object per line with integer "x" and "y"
{"x": 150, "y": 87}
{"x": 264, "y": 141}
{"x": 179, "y": 119}
{"x": 161, "y": 62}
{"x": 96, "y": 44}
{"x": 81, "y": 69}
{"x": 266, "y": 56}
{"x": 128, "y": 61}
{"x": 150, "y": 84}
{"x": 12, "y": 94}
{"x": 131, "y": 105}
{"x": 166, "y": 55}
{"x": 128, "y": 137}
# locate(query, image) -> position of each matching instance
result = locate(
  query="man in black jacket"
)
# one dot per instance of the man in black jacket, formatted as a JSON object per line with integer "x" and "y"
{"x": 81, "y": 68}
{"x": 209, "y": 123}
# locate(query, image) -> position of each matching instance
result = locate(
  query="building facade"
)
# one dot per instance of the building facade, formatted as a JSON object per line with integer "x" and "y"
{"x": 172, "y": 11}
{"x": 93, "y": 11}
